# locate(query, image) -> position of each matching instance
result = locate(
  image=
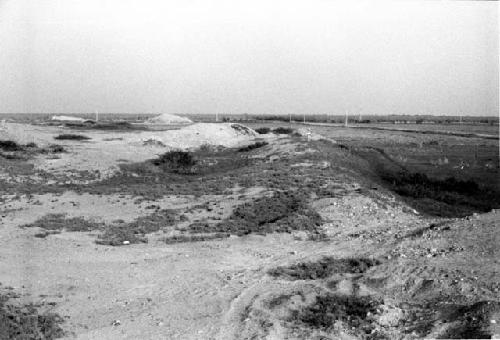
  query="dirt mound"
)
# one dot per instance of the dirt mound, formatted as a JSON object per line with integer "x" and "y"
{"x": 195, "y": 135}
{"x": 166, "y": 118}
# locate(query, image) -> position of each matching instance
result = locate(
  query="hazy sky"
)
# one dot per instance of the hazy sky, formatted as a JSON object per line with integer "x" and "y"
{"x": 187, "y": 56}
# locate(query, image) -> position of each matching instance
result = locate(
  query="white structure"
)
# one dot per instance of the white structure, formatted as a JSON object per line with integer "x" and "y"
{"x": 169, "y": 119}
{"x": 67, "y": 119}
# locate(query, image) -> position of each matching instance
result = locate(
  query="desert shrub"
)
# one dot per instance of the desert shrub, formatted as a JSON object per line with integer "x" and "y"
{"x": 61, "y": 222}
{"x": 154, "y": 222}
{"x": 327, "y": 309}
{"x": 176, "y": 161}
{"x": 13, "y": 156}
{"x": 283, "y": 130}
{"x": 70, "y": 136}
{"x": 195, "y": 238}
{"x": 135, "y": 231}
{"x": 116, "y": 235}
{"x": 9, "y": 145}
{"x": 31, "y": 145}
{"x": 263, "y": 130}
{"x": 55, "y": 148}
{"x": 282, "y": 212}
{"x": 253, "y": 146}
{"x": 323, "y": 268}
{"x": 25, "y": 322}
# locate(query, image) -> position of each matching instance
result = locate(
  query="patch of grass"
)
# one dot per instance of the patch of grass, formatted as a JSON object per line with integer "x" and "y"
{"x": 25, "y": 322}
{"x": 70, "y": 136}
{"x": 46, "y": 233}
{"x": 115, "y": 235}
{"x": 60, "y": 222}
{"x": 118, "y": 235}
{"x": 323, "y": 268}
{"x": 195, "y": 238}
{"x": 135, "y": 231}
{"x": 154, "y": 222}
{"x": 327, "y": 309}
{"x": 253, "y": 146}
{"x": 282, "y": 212}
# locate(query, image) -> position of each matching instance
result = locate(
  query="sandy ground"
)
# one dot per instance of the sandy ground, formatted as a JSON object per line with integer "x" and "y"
{"x": 218, "y": 289}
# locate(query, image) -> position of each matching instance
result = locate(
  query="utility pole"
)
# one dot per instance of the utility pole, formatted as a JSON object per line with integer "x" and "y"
{"x": 346, "y": 118}
{"x": 96, "y": 116}
{"x": 290, "y": 118}
{"x": 304, "y": 118}
{"x": 216, "y": 117}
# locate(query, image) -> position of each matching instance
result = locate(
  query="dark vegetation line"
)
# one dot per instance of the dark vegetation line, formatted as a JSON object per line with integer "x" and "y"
{"x": 323, "y": 268}
{"x": 448, "y": 197}
{"x": 70, "y": 136}
{"x": 430, "y": 132}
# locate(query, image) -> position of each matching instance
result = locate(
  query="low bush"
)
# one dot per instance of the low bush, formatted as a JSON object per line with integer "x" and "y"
{"x": 118, "y": 235}
{"x": 253, "y": 146}
{"x": 263, "y": 130}
{"x": 283, "y": 130}
{"x": 135, "y": 231}
{"x": 61, "y": 222}
{"x": 55, "y": 148}
{"x": 176, "y": 161}
{"x": 25, "y": 322}
{"x": 9, "y": 145}
{"x": 70, "y": 136}
{"x": 282, "y": 212}
{"x": 330, "y": 308}
{"x": 195, "y": 238}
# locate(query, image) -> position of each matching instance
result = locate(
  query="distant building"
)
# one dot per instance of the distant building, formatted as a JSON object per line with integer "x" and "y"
{"x": 68, "y": 119}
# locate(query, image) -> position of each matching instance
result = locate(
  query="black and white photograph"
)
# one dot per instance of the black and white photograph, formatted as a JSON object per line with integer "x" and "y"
{"x": 259, "y": 170}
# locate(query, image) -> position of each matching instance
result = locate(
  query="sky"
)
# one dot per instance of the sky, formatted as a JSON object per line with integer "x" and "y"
{"x": 258, "y": 57}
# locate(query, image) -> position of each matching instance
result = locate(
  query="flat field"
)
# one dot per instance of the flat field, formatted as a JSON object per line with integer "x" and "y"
{"x": 214, "y": 231}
